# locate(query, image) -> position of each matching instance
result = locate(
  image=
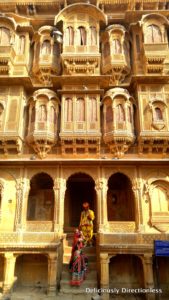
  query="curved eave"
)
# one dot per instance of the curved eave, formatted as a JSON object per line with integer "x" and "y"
{"x": 153, "y": 15}
{"x": 89, "y": 9}
{"x": 9, "y": 20}
{"x": 45, "y": 29}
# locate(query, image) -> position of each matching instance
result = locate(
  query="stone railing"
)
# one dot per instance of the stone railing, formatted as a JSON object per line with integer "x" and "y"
{"x": 28, "y": 239}
{"x": 39, "y": 226}
{"x": 121, "y": 227}
{"x": 132, "y": 238}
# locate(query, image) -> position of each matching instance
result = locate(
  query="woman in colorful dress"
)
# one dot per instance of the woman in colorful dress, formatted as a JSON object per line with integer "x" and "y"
{"x": 78, "y": 262}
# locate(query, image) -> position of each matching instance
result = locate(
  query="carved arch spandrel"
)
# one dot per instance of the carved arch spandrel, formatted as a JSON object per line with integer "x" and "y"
{"x": 156, "y": 174}
{"x": 66, "y": 173}
{"x": 52, "y": 173}
{"x": 131, "y": 174}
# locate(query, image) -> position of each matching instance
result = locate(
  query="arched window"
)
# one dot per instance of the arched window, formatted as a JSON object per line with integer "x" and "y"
{"x": 92, "y": 110}
{"x": 159, "y": 199}
{"x": 41, "y": 198}
{"x": 109, "y": 114}
{"x": 106, "y": 49}
{"x": 68, "y": 110}
{"x": 93, "y": 36}
{"x": 42, "y": 116}
{"x": 4, "y": 36}
{"x": 33, "y": 115}
{"x": 81, "y": 36}
{"x": 129, "y": 115}
{"x": 46, "y": 48}
{"x": 120, "y": 113}
{"x": 116, "y": 46}
{"x": 80, "y": 112}
{"x": 52, "y": 115}
{"x": 153, "y": 34}
{"x": 21, "y": 49}
{"x": 158, "y": 116}
{"x": 69, "y": 36}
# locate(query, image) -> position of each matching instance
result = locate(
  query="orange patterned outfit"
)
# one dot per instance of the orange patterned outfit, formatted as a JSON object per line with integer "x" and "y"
{"x": 86, "y": 224}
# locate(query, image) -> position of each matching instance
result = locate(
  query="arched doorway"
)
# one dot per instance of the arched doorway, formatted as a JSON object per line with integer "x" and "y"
{"x": 126, "y": 272}
{"x": 31, "y": 272}
{"x": 161, "y": 275}
{"x": 120, "y": 199}
{"x": 80, "y": 188}
{"x": 1, "y": 272}
{"x": 41, "y": 198}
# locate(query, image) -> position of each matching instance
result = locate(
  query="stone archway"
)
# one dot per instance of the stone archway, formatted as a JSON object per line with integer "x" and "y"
{"x": 126, "y": 272}
{"x": 41, "y": 198}
{"x": 31, "y": 271}
{"x": 80, "y": 188}
{"x": 1, "y": 272}
{"x": 120, "y": 198}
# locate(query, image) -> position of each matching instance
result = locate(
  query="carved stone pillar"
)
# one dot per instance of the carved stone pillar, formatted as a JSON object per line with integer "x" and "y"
{"x": 52, "y": 274}
{"x": 148, "y": 275}
{"x": 138, "y": 207}
{"x": 56, "y": 188}
{"x": 22, "y": 192}
{"x": 104, "y": 276}
{"x": 101, "y": 191}
{"x": 9, "y": 270}
{"x": 60, "y": 189}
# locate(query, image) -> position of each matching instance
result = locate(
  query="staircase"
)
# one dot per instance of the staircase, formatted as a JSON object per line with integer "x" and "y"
{"x": 74, "y": 292}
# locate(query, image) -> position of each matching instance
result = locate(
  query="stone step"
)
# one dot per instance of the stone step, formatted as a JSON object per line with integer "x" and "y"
{"x": 91, "y": 274}
{"x": 91, "y": 266}
{"x": 78, "y": 296}
{"x": 67, "y": 288}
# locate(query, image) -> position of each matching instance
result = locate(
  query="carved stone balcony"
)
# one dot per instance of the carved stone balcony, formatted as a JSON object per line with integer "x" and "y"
{"x": 117, "y": 66}
{"x": 153, "y": 142}
{"x": 154, "y": 57}
{"x": 119, "y": 142}
{"x": 10, "y": 143}
{"x": 7, "y": 57}
{"x": 41, "y": 137}
{"x": 47, "y": 66}
{"x": 42, "y": 127}
{"x": 118, "y": 111}
{"x": 78, "y": 64}
{"x": 80, "y": 145}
